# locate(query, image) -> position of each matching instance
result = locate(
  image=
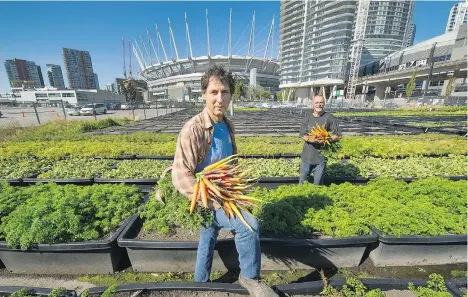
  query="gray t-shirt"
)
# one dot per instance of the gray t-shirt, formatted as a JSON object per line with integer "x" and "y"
{"x": 311, "y": 151}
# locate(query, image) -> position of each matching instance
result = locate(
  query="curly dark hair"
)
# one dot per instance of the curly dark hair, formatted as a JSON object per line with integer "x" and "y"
{"x": 221, "y": 74}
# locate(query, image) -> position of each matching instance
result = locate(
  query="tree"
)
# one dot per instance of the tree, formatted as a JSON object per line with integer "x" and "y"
{"x": 279, "y": 95}
{"x": 451, "y": 82}
{"x": 450, "y": 86}
{"x": 239, "y": 90}
{"x": 321, "y": 92}
{"x": 411, "y": 85}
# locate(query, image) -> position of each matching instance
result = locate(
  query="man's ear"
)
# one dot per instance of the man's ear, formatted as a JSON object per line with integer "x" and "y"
{"x": 204, "y": 95}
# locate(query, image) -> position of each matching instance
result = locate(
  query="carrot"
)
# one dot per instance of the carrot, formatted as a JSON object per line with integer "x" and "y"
{"x": 239, "y": 214}
{"x": 221, "y": 162}
{"x": 194, "y": 197}
{"x": 229, "y": 210}
{"x": 244, "y": 197}
{"x": 212, "y": 187}
{"x": 204, "y": 193}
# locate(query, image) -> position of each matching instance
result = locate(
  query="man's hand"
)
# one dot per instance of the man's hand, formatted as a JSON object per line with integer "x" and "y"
{"x": 334, "y": 138}
{"x": 210, "y": 204}
{"x": 310, "y": 139}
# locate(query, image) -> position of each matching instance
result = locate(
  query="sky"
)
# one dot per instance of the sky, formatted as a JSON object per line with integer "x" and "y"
{"x": 37, "y": 31}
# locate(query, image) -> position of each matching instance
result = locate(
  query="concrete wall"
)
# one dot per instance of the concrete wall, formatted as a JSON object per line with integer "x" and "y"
{"x": 302, "y": 95}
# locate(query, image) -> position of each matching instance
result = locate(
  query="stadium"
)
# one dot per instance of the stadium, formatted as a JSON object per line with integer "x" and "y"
{"x": 179, "y": 79}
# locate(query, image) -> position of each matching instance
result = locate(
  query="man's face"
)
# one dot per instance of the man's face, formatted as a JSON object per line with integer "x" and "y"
{"x": 217, "y": 96}
{"x": 319, "y": 103}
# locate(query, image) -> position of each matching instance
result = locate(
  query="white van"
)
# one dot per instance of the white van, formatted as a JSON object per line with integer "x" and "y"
{"x": 97, "y": 107}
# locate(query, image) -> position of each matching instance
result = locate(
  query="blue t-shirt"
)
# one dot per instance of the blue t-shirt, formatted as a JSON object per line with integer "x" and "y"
{"x": 221, "y": 146}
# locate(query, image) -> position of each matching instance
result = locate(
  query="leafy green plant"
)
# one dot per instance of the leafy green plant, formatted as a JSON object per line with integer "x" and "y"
{"x": 165, "y": 217}
{"x": 22, "y": 293}
{"x": 11, "y": 197}
{"x": 56, "y": 214}
{"x": 428, "y": 207}
{"x": 352, "y": 288}
{"x": 389, "y": 146}
{"x": 138, "y": 169}
{"x": 58, "y": 292}
{"x": 435, "y": 287}
{"x": 411, "y": 167}
{"x": 78, "y": 168}
{"x": 110, "y": 291}
{"x": 21, "y": 168}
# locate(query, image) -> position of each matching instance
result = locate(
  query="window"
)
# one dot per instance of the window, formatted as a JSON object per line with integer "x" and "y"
{"x": 39, "y": 95}
{"x": 54, "y": 95}
{"x": 68, "y": 94}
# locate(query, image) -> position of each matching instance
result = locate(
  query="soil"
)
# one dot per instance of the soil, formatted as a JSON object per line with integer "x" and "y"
{"x": 179, "y": 234}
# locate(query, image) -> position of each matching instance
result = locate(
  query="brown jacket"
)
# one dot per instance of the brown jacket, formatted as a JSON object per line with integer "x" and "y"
{"x": 193, "y": 144}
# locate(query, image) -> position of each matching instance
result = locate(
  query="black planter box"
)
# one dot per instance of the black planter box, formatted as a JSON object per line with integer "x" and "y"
{"x": 89, "y": 257}
{"x": 65, "y": 181}
{"x": 130, "y": 181}
{"x": 418, "y": 250}
{"x": 164, "y": 256}
{"x": 275, "y": 182}
{"x": 277, "y": 254}
{"x": 8, "y": 290}
{"x": 454, "y": 285}
{"x": 12, "y": 181}
{"x": 176, "y": 286}
{"x": 139, "y": 157}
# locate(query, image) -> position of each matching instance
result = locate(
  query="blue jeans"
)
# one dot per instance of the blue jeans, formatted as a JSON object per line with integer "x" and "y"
{"x": 317, "y": 170}
{"x": 247, "y": 245}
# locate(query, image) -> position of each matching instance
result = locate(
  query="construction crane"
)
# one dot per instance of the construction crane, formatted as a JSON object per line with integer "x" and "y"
{"x": 356, "y": 50}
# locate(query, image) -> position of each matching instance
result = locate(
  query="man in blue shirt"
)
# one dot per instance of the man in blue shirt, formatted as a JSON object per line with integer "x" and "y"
{"x": 207, "y": 138}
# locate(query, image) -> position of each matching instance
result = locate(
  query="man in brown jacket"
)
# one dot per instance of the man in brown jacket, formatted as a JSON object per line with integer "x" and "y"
{"x": 205, "y": 139}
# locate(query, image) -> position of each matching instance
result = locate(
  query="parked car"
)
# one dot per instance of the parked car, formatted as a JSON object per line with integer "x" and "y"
{"x": 74, "y": 110}
{"x": 114, "y": 106}
{"x": 97, "y": 107}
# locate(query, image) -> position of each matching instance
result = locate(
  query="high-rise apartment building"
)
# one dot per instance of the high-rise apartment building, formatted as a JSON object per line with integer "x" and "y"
{"x": 41, "y": 78}
{"x": 388, "y": 28}
{"x": 458, "y": 15}
{"x": 412, "y": 33}
{"x": 22, "y": 70}
{"x": 96, "y": 80}
{"x": 79, "y": 69}
{"x": 314, "y": 40}
{"x": 54, "y": 72}
{"x": 316, "y": 36}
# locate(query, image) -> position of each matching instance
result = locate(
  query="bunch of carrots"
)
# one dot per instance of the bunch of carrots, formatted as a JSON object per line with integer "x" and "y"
{"x": 226, "y": 183}
{"x": 320, "y": 134}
